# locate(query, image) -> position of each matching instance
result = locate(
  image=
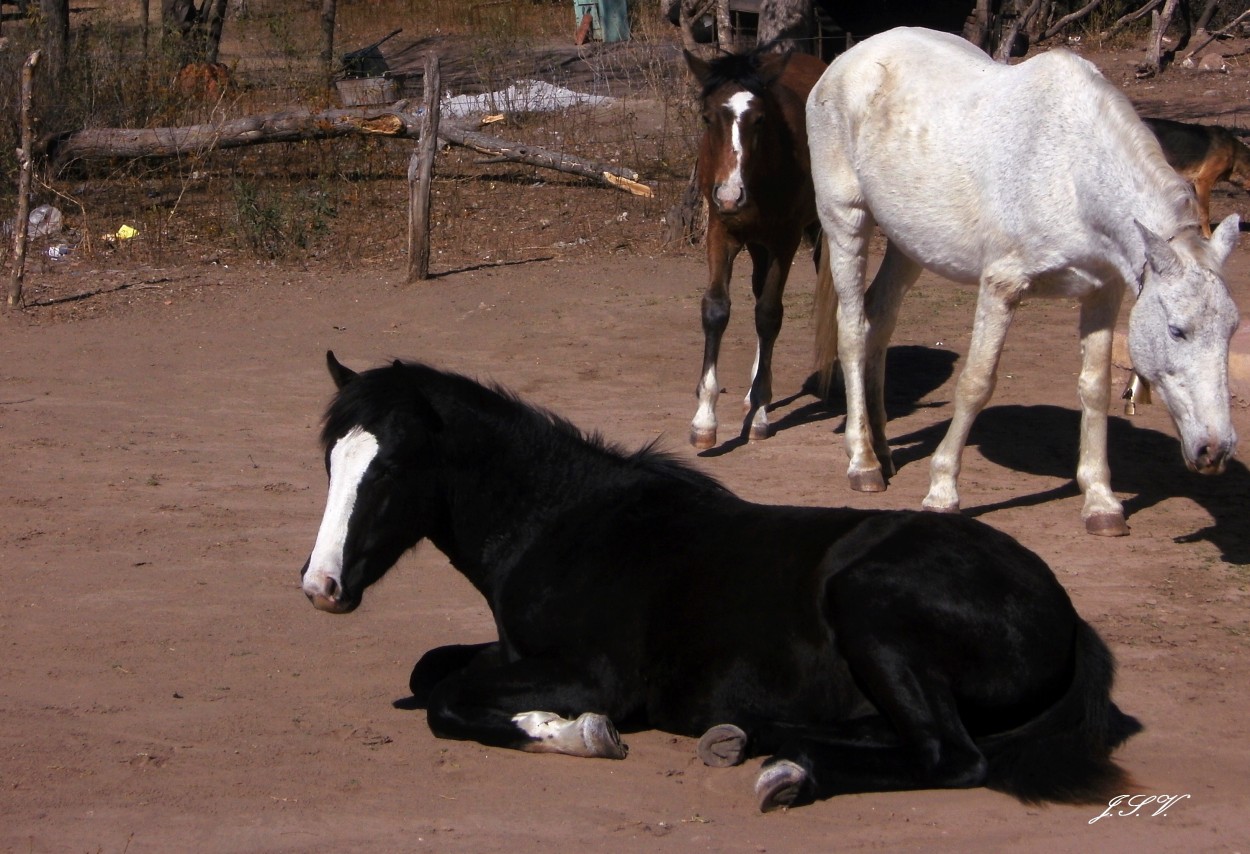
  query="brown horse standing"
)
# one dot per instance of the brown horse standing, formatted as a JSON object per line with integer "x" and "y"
{"x": 755, "y": 175}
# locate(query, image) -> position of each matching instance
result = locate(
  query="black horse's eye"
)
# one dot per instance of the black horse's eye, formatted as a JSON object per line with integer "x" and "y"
{"x": 1176, "y": 332}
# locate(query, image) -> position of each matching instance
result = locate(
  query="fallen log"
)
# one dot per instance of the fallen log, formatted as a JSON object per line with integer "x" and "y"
{"x": 299, "y": 124}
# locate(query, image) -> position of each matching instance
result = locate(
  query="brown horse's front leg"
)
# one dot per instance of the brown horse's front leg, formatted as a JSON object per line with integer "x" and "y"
{"x": 769, "y": 271}
{"x": 721, "y": 251}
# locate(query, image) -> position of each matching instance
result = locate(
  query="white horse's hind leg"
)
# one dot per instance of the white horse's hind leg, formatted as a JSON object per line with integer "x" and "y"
{"x": 1103, "y": 513}
{"x": 996, "y": 306}
{"x": 882, "y": 301}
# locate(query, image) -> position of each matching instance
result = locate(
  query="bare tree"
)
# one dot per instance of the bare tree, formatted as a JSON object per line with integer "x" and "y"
{"x": 788, "y": 25}
{"x": 193, "y": 33}
{"x": 329, "y": 10}
{"x": 55, "y": 21}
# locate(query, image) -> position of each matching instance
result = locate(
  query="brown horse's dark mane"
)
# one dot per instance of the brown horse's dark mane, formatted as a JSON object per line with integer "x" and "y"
{"x": 742, "y": 69}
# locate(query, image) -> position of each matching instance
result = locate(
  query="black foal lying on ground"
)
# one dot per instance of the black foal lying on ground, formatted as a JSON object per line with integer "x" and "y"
{"x": 860, "y": 650}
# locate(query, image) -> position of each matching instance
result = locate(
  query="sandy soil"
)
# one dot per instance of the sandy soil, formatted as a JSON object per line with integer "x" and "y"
{"x": 167, "y": 687}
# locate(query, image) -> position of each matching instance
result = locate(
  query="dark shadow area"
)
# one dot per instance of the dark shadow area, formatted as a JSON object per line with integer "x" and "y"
{"x": 912, "y": 372}
{"x": 1145, "y": 464}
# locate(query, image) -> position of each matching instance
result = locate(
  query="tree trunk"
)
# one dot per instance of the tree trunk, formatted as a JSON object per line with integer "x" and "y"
{"x": 1204, "y": 20}
{"x": 55, "y": 15}
{"x": 1156, "y": 57}
{"x": 329, "y": 9}
{"x": 788, "y": 25}
{"x": 190, "y": 33}
{"x": 25, "y": 156}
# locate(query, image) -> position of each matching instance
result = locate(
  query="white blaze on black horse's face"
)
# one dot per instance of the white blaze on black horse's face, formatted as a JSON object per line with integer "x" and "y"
{"x": 348, "y": 462}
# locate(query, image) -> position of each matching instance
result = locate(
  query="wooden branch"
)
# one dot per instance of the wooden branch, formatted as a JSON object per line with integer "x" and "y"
{"x": 298, "y": 124}
{"x": 1071, "y": 18}
{"x": 1125, "y": 20}
{"x": 25, "y": 166}
{"x": 612, "y": 176}
{"x": 1215, "y": 35}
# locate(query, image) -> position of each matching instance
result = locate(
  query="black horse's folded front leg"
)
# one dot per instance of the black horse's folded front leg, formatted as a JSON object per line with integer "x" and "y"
{"x": 444, "y": 661}
{"x": 530, "y": 705}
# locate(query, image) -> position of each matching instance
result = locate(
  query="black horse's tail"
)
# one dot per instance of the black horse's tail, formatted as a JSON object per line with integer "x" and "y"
{"x": 1064, "y": 754}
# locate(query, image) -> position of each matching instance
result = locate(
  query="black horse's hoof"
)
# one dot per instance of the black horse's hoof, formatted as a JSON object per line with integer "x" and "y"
{"x": 722, "y": 746}
{"x": 779, "y": 785}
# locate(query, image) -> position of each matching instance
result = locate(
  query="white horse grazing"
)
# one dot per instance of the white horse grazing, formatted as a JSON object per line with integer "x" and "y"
{"x": 1030, "y": 180}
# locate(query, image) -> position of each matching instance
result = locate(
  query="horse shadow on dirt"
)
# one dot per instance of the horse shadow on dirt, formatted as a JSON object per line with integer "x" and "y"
{"x": 912, "y": 372}
{"x": 1145, "y": 464}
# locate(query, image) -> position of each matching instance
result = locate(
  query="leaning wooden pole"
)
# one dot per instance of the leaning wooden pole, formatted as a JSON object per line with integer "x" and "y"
{"x": 421, "y": 177}
{"x": 25, "y": 168}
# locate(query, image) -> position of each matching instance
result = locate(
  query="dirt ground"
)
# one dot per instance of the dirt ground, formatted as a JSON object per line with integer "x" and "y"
{"x": 166, "y": 686}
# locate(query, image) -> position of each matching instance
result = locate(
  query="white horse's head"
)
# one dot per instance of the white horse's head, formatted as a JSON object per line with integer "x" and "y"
{"x": 1178, "y": 337}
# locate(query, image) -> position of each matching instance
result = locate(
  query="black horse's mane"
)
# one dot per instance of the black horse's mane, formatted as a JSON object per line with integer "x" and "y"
{"x": 375, "y": 393}
{"x": 742, "y": 69}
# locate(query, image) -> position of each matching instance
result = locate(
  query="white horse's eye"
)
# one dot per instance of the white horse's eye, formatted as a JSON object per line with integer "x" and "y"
{"x": 1176, "y": 332}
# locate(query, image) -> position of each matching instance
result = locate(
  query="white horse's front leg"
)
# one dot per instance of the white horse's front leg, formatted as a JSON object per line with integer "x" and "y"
{"x": 996, "y": 306}
{"x": 1103, "y": 513}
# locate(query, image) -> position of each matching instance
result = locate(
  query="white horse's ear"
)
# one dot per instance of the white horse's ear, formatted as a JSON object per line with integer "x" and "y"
{"x": 1162, "y": 259}
{"x": 1224, "y": 239}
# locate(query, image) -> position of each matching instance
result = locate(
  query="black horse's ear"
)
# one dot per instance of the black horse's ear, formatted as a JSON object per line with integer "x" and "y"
{"x": 341, "y": 374}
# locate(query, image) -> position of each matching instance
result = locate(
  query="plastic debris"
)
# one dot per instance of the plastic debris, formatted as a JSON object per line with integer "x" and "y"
{"x": 44, "y": 221}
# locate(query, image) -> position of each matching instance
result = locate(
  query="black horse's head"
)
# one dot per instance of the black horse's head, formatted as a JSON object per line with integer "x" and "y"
{"x": 380, "y": 438}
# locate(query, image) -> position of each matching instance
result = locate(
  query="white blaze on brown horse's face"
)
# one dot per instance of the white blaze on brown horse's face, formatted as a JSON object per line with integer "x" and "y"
{"x": 323, "y": 578}
{"x": 729, "y": 191}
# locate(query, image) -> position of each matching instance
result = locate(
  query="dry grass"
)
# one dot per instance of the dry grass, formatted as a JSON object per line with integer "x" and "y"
{"x": 345, "y": 200}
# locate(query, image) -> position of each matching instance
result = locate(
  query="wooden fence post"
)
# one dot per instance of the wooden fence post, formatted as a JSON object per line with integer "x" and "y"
{"x": 25, "y": 167}
{"x": 421, "y": 176}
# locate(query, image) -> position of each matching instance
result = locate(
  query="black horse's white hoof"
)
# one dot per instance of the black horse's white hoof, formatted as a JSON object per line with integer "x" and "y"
{"x": 722, "y": 746}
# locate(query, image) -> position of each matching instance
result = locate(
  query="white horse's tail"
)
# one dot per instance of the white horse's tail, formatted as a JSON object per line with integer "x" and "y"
{"x": 826, "y": 308}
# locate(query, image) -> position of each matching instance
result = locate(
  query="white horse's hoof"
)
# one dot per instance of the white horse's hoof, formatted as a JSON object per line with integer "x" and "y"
{"x": 702, "y": 438}
{"x": 779, "y": 784}
{"x": 722, "y": 746}
{"x": 1107, "y": 525}
{"x": 867, "y": 481}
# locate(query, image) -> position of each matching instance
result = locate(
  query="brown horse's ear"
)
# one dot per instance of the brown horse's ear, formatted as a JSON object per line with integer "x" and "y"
{"x": 698, "y": 67}
{"x": 339, "y": 373}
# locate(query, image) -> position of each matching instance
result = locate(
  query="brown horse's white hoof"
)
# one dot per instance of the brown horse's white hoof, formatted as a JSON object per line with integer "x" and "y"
{"x": 1107, "y": 525}
{"x": 778, "y": 785}
{"x": 722, "y": 746}
{"x": 867, "y": 481}
{"x": 759, "y": 432}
